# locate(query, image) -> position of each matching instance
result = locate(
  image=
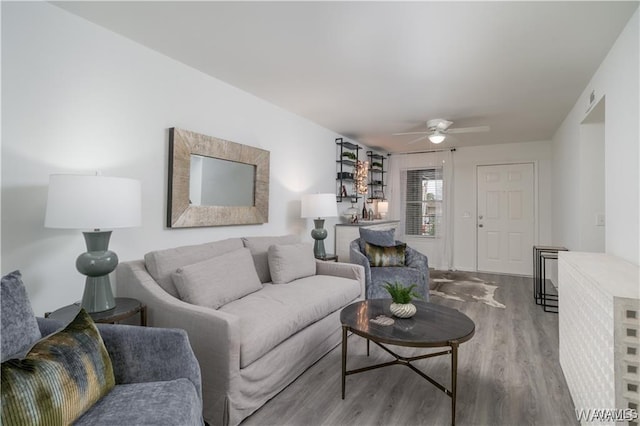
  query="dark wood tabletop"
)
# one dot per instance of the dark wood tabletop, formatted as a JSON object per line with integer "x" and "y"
{"x": 125, "y": 309}
{"x": 432, "y": 326}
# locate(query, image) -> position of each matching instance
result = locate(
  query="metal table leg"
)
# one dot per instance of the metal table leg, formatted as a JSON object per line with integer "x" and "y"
{"x": 344, "y": 358}
{"x": 454, "y": 379}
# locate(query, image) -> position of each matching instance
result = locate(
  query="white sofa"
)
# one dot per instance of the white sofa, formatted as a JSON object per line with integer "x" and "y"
{"x": 251, "y": 348}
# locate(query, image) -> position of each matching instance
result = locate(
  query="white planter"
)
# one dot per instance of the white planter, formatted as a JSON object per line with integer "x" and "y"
{"x": 403, "y": 310}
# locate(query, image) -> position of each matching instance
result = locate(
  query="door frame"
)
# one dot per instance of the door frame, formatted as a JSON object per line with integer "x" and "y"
{"x": 536, "y": 203}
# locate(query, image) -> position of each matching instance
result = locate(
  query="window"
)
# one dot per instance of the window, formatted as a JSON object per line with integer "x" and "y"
{"x": 424, "y": 202}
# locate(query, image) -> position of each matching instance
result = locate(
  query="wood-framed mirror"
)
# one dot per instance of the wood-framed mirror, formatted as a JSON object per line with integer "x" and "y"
{"x": 215, "y": 182}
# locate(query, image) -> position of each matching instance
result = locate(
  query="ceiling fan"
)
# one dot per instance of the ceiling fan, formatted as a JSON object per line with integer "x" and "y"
{"x": 437, "y": 129}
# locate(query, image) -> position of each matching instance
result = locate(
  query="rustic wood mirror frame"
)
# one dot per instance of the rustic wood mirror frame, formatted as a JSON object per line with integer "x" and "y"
{"x": 180, "y": 212}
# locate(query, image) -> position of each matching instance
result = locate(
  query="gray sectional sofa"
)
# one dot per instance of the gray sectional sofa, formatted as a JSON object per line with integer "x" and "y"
{"x": 254, "y": 325}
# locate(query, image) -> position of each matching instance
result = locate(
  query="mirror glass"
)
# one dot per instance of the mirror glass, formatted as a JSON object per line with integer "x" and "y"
{"x": 216, "y": 182}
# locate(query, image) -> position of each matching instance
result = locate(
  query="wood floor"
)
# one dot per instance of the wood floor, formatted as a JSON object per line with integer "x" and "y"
{"x": 509, "y": 374}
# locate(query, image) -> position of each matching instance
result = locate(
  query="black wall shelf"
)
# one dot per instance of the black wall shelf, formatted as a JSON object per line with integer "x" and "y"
{"x": 346, "y": 170}
{"x": 377, "y": 181}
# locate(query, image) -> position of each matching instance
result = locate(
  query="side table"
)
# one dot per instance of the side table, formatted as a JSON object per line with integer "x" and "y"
{"x": 549, "y": 302}
{"x": 125, "y": 308}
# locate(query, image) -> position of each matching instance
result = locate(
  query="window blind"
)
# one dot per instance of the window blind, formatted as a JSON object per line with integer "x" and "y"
{"x": 424, "y": 195}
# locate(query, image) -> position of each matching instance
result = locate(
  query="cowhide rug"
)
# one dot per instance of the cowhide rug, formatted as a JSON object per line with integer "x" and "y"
{"x": 463, "y": 287}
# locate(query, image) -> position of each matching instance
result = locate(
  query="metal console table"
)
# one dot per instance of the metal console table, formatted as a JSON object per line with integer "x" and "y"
{"x": 541, "y": 254}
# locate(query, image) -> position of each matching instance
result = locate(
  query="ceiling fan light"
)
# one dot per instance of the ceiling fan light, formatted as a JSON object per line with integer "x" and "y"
{"x": 436, "y": 137}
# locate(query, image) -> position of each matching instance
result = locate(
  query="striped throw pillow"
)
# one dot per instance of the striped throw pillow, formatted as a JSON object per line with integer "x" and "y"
{"x": 59, "y": 379}
{"x": 385, "y": 256}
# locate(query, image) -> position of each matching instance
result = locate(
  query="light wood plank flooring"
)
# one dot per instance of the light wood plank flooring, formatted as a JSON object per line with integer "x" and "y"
{"x": 509, "y": 374}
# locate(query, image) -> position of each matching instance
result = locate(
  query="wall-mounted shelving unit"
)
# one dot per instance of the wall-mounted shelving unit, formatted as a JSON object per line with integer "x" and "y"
{"x": 377, "y": 180}
{"x": 347, "y": 157}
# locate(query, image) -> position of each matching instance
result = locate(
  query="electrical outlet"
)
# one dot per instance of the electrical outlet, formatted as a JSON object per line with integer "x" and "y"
{"x": 600, "y": 219}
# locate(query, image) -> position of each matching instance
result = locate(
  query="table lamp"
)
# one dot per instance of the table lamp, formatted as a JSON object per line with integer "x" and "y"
{"x": 319, "y": 206}
{"x": 94, "y": 202}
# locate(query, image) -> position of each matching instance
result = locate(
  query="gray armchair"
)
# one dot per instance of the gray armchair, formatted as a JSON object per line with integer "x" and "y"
{"x": 157, "y": 377}
{"x": 416, "y": 271}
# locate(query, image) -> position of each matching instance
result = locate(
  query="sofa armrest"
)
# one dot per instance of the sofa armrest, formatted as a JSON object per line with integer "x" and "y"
{"x": 415, "y": 259}
{"x": 213, "y": 335}
{"x": 345, "y": 270}
{"x": 145, "y": 354}
{"x": 358, "y": 258}
{"x": 48, "y": 325}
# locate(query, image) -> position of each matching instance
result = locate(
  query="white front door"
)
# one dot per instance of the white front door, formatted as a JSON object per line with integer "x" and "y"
{"x": 505, "y": 221}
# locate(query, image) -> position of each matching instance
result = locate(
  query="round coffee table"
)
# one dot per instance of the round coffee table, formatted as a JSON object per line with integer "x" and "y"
{"x": 432, "y": 326}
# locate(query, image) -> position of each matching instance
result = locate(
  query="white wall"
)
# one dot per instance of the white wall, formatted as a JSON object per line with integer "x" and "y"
{"x": 466, "y": 161}
{"x": 592, "y": 235}
{"x": 617, "y": 79}
{"x": 77, "y": 98}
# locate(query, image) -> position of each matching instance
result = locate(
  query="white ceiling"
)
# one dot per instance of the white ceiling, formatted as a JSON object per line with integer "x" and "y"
{"x": 369, "y": 69}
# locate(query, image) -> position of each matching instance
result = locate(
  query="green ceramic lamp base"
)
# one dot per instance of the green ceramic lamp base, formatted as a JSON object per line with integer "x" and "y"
{"x": 97, "y": 263}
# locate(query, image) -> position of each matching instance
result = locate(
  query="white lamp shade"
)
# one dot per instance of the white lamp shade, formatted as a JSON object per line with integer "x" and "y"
{"x": 319, "y": 205}
{"x": 93, "y": 202}
{"x": 383, "y": 206}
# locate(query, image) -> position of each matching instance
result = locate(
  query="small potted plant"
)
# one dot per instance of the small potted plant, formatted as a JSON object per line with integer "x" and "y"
{"x": 350, "y": 155}
{"x": 401, "y": 297}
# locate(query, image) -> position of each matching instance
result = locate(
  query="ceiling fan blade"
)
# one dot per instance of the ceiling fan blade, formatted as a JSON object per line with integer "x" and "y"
{"x": 409, "y": 133}
{"x": 419, "y": 139}
{"x": 469, "y": 129}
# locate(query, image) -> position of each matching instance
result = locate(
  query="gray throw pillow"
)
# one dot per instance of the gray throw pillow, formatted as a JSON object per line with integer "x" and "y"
{"x": 162, "y": 263}
{"x": 259, "y": 247}
{"x": 288, "y": 262}
{"x": 217, "y": 281}
{"x": 19, "y": 326}
{"x": 383, "y": 238}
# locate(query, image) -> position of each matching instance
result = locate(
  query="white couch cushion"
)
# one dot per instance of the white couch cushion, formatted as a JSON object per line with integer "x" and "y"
{"x": 288, "y": 262}
{"x": 217, "y": 281}
{"x": 162, "y": 263}
{"x": 273, "y": 314}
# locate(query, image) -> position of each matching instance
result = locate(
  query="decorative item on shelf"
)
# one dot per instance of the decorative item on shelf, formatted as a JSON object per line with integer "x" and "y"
{"x": 370, "y": 214}
{"x": 351, "y": 214}
{"x": 319, "y": 206}
{"x": 376, "y": 164}
{"x": 350, "y": 155}
{"x": 344, "y": 191}
{"x": 360, "y": 183}
{"x": 94, "y": 202}
{"x": 401, "y": 297}
{"x": 361, "y": 177}
{"x": 383, "y": 209}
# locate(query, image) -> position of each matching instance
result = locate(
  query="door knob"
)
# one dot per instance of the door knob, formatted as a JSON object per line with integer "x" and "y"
{"x": 480, "y": 225}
